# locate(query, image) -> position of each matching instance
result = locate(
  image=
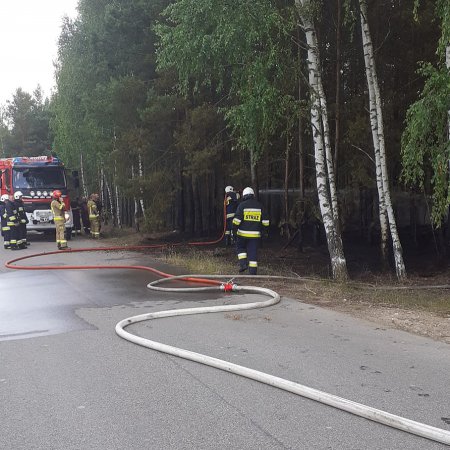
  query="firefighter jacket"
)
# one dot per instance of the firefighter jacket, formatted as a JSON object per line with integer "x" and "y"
{"x": 3, "y": 217}
{"x": 92, "y": 209}
{"x": 231, "y": 204}
{"x": 58, "y": 208}
{"x": 249, "y": 219}
{"x": 11, "y": 214}
{"x": 21, "y": 214}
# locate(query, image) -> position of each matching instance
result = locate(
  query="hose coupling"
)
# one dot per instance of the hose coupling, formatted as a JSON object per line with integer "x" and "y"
{"x": 228, "y": 287}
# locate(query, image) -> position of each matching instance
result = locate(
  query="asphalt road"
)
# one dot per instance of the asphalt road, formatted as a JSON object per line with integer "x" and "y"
{"x": 67, "y": 381}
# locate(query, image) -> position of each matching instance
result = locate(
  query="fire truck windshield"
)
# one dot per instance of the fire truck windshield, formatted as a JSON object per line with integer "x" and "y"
{"x": 38, "y": 178}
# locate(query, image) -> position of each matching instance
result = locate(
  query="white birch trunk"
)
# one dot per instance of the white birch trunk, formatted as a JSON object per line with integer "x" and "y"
{"x": 327, "y": 145}
{"x": 375, "y": 137}
{"x": 116, "y": 189}
{"x": 141, "y": 175}
{"x": 322, "y": 151}
{"x": 136, "y": 207}
{"x": 102, "y": 185}
{"x": 83, "y": 180}
{"x": 373, "y": 80}
{"x": 111, "y": 199}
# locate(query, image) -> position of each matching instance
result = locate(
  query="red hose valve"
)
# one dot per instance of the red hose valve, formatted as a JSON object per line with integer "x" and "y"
{"x": 227, "y": 287}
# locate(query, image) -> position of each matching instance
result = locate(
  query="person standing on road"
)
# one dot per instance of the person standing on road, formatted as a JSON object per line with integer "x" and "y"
{"x": 6, "y": 229}
{"x": 12, "y": 221}
{"x": 231, "y": 204}
{"x": 94, "y": 216}
{"x": 85, "y": 216}
{"x": 76, "y": 214}
{"x": 22, "y": 220}
{"x": 58, "y": 209}
{"x": 249, "y": 221}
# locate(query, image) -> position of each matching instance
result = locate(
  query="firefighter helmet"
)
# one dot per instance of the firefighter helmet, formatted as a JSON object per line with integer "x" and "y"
{"x": 4, "y": 197}
{"x": 248, "y": 192}
{"x": 229, "y": 189}
{"x": 56, "y": 194}
{"x": 17, "y": 195}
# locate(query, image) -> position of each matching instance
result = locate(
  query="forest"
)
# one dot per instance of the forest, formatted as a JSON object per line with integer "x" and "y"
{"x": 336, "y": 113}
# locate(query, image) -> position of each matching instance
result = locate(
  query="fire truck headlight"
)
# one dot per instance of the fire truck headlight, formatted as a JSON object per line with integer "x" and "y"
{"x": 32, "y": 193}
{"x": 38, "y": 193}
{"x": 45, "y": 193}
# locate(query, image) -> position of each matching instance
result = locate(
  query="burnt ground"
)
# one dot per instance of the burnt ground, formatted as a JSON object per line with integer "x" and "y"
{"x": 420, "y": 305}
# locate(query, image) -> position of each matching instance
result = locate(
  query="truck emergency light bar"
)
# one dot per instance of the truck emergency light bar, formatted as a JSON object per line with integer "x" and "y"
{"x": 36, "y": 160}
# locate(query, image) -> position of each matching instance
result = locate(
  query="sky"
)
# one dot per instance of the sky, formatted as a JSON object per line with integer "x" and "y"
{"x": 29, "y": 31}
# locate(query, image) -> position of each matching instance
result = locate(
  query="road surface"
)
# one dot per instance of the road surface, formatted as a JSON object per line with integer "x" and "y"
{"x": 67, "y": 381}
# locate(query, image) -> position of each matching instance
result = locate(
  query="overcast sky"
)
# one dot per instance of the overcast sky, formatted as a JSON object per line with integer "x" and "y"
{"x": 29, "y": 31}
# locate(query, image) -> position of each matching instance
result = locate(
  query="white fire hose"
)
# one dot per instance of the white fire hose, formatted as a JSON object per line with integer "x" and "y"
{"x": 376, "y": 415}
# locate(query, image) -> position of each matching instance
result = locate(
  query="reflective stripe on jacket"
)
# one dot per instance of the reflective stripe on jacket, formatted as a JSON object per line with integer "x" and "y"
{"x": 250, "y": 217}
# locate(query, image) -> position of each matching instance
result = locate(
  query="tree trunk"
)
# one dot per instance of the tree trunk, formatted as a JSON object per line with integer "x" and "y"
{"x": 286, "y": 188}
{"x": 253, "y": 169}
{"x": 83, "y": 179}
{"x": 379, "y": 143}
{"x": 136, "y": 205}
{"x": 102, "y": 185}
{"x": 118, "y": 220}
{"x": 111, "y": 200}
{"x": 322, "y": 151}
{"x": 141, "y": 176}
{"x": 197, "y": 208}
{"x": 447, "y": 61}
{"x": 337, "y": 136}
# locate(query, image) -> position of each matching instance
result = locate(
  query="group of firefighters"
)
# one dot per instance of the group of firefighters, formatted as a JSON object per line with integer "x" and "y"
{"x": 246, "y": 220}
{"x": 14, "y": 219}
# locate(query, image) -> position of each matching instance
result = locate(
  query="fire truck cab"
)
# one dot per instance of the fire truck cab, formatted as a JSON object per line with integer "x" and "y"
{"x": 37, "y": 177}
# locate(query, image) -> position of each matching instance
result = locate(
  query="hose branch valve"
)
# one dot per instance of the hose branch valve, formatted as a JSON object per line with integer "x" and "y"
{"x": 228, "y": 286}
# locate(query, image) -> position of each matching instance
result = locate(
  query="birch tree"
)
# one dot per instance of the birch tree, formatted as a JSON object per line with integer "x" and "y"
{"x": 325, "y": 180}
{"x": 386, "y": 211}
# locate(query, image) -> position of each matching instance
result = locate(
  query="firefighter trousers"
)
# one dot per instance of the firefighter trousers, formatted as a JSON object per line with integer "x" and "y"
{"x": 229, "y": 232}
{"x": 247, "y": 251}
{"x": 6, "y": 233}
{"x": 61, "y": 241}
{"x": 14, "y": 236}
{"x": 22, "y": 233}
{"x": 95, "y": 226}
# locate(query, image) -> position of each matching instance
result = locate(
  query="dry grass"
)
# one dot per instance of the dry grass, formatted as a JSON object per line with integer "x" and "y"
{"x": 370, "y": 295}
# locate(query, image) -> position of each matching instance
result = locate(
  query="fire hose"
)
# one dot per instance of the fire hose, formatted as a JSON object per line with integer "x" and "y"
{"x": 213, "y": 285}
{"x": 373, "y": 414}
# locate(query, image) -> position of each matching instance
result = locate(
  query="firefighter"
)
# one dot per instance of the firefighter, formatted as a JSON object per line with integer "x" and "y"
{"x": 58, "y": 210}
{"x": 249, "y": 221}
{"x": 22, "y": 220}
{"x": 12, "y": 222}
{"x": 6, "y": 229}
{"x": 85, "y": 216}
{"x": 94, "y": 216}
{"x": 76, "y": 214}
{"x": 231, "y": 204}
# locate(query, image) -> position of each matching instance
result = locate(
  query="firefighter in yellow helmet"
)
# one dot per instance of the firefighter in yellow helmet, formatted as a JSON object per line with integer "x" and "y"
{"x": 94, "y": 216}
{"x": 58, "y": 210}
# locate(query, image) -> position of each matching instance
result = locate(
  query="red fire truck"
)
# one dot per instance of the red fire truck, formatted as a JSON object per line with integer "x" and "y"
{"x": 37, "y": 177}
